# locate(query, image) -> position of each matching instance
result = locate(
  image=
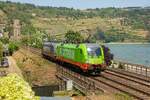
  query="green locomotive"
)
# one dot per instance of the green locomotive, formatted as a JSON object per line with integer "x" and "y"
{"x": 88, "y": 57}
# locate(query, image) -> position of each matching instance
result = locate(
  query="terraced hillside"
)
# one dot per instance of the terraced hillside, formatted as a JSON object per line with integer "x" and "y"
{"x": 107, "y": 24}
{"x": 56, "y": 26}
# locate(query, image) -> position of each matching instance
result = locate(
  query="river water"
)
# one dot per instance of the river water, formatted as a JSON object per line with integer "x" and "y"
{"x": 132, "y": 53}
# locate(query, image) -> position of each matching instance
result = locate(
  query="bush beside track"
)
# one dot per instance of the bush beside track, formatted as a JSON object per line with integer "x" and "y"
{"x": 13, "y": 87}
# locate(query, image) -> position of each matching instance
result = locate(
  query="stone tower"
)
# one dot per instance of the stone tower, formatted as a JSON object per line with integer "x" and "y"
{"x": 16, "y": 29}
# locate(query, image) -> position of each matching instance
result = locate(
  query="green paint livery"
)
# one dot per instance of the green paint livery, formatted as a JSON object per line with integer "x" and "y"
{"x": 83, "y": 53}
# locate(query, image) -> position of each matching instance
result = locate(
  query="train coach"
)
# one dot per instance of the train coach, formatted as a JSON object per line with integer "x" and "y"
{"x": 49, "y": 50}
{"x": 87, "y": 57}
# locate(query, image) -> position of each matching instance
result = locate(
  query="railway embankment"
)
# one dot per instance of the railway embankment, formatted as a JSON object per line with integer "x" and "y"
{"x": 36, "y": 70}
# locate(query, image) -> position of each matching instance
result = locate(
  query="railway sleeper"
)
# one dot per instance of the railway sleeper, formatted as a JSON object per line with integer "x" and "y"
{"x": 141, "y": 77}
{"x": 124, "y": 89}
{"x": 129, "y": 78}
{"x": 125, "y": 83}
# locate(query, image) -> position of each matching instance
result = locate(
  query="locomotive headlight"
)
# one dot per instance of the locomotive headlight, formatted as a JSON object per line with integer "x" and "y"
{"x": 104, "y": 62}
{"x": 87, "y": 61}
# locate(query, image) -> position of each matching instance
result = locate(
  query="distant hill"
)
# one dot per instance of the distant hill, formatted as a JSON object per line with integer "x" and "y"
{"x": 131, "y": 24}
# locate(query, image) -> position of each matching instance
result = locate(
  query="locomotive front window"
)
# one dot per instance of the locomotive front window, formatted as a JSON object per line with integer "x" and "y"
{"x": 94, "y": 51}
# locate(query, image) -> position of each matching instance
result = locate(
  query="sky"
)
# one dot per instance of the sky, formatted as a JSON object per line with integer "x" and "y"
{"x": 84, "y": 4}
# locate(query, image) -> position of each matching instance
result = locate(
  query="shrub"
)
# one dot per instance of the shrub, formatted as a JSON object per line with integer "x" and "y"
{"x": 4, "y": 40}
{"x": 13, "y": 46}
{"x": 13, "y": 87}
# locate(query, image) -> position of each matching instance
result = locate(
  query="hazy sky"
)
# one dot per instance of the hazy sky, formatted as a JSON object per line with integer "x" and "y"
{"x": 83, "y": 4}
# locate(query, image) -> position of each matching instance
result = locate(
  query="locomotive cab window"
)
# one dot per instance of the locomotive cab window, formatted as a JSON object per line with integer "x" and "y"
{"x": 94, "y": 51}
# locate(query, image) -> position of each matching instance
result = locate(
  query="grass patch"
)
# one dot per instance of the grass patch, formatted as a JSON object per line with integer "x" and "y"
{"x": 68, "y": 93}
{"x": 123, "y": 96}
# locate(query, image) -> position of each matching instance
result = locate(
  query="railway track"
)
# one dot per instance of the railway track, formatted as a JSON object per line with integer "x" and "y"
{"x": 135, "y": 87}
{"x": 113, "y": 83}
{"x": 146, "y": 83}
{"x": 116, "y": 80}
{"x": 127, "y": 73}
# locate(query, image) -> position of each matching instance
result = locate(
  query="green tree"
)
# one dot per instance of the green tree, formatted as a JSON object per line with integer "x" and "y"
{"x": 13, "y": 46}
{"x": 4, "y": 40}
{"x": 73, "y": 37}
{"x": 28, "y": 29}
